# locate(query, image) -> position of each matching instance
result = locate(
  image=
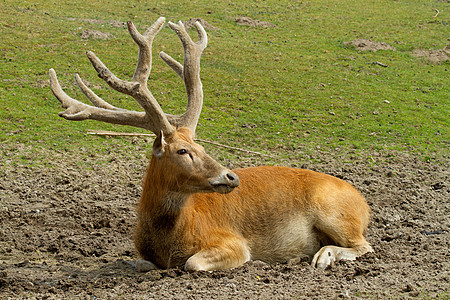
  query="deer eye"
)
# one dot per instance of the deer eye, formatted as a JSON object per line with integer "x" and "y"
{"x": 182, "y": 151}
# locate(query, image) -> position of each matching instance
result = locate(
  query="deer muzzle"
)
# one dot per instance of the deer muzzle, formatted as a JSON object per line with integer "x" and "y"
{"x": 225, "y": 182}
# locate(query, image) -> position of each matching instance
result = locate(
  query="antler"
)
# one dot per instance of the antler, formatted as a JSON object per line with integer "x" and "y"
{"x": 189, "y": 72}
{"x": 153, "y": 118}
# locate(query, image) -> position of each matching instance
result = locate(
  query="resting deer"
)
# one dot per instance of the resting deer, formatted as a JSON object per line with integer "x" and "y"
{"x": 197, "y": 213}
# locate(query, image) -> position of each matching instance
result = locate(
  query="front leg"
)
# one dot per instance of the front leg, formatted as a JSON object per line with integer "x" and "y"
{"x": 229, "y": 253}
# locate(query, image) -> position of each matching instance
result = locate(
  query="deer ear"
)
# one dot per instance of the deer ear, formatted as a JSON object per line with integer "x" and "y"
{"x": 158, "y": 145}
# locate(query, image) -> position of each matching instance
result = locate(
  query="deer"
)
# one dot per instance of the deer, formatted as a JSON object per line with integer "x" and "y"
{"x": 197, "y": 214}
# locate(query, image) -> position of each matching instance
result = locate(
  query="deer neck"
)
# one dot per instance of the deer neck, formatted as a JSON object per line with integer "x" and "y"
{"x": 159, "y": 196}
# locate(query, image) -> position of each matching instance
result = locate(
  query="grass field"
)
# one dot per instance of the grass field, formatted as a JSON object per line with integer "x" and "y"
{"x": 290, "y": 88}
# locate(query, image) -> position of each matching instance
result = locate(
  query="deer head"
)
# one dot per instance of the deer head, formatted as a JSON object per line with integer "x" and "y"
{"x": 183, "y": 163}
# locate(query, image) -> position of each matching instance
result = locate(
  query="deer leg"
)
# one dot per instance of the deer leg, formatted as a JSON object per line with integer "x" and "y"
{"x": 346, "y": 232}
{"x": 228, "y": 253}
{"x": 329, "y": 254}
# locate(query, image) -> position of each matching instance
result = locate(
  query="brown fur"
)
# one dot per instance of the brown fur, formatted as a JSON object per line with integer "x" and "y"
{"x": 275, "y": 214}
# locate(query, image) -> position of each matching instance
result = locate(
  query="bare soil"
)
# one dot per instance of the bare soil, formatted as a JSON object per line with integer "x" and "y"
{"x": 113, "y": 23}
{"x": 67, "y": 221}
{"x": 205, "y": 24}
{"x": 434, "y": 56}
{"x": 96, "y": 35}
{"x": 247, "y": 21}
{"x": 369, "y": 45}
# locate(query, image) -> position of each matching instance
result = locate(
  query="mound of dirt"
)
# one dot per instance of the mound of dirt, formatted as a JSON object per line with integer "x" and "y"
{"x": 66, "y": 232}
{"x": 206, "y": 25}
{"x": 247, "y": 21}
{"x": 118, "y": 24}
{"x": 113, "y": 23}
{"x": 96, "y": 35}
{"x": 434, "y": 56}
{"x": 369, "y": 45}
{"x": 91, "y": 21}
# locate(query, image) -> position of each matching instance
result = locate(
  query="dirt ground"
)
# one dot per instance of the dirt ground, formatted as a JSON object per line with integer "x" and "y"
{"x": 368, "y": 45}
{"x": 66, "y": 232}
{"x": 434, "y": 56}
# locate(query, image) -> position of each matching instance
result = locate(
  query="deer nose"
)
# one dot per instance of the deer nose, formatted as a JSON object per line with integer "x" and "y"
{"x": 225, "y": 182}
{"x": 233, "y": 178}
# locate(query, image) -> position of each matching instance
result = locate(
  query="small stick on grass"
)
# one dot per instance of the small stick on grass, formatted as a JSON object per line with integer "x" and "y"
{"x": 381, "y": 64}
{"x": 437, "y": 13}
{"x": 113, "y": 133}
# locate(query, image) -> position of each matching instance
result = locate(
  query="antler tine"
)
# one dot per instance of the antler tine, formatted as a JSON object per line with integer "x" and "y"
{"x": 176, "y": 66}
{"x": 96, "y": 100}
{"x": 78, "y": 111}
{"x": 144, "y": 42}
{"x": 112, "y": 80}
{"x": 189, "y": 72}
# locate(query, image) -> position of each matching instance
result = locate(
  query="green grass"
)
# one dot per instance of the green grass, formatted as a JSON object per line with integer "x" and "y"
{"x": 285, "y": 88}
